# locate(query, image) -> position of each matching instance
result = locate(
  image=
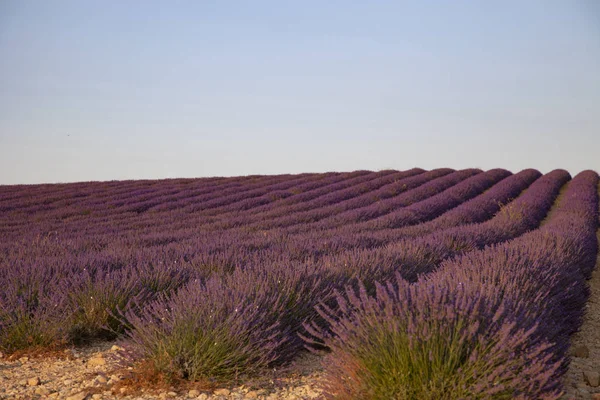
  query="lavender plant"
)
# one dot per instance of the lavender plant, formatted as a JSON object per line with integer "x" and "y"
{"x": 425, "y": 342}
{"x": 98, "y": 298}
{"x": 207, "y": 331}
{"x": 32, "y": 305}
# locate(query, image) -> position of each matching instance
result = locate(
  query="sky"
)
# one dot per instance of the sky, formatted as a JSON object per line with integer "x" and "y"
{"x": 112, "y": 90}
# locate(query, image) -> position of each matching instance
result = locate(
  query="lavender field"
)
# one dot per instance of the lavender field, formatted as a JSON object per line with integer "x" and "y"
{"x": 412, "y": 284}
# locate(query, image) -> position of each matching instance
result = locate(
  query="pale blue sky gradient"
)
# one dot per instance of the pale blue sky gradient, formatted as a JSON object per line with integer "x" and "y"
{"x": 101, "y": 90}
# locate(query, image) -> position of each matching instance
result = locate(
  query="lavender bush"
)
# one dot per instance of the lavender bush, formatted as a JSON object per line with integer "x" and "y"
{"x": 32, "y": 307}
{"x": 238, "y": 324}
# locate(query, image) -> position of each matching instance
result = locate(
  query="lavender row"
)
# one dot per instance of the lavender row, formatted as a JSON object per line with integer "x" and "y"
{"x": 476, "y": 210}
{"x": 95, "y": 207}
{"x": 412, "y": 257}
{"x": 219, "y": 197}
{"x": 338, "y": 203}
{"x": 404, "y": 199}
{"x": 396, "y": 189}
{"x": 479, "y": 208}
{"x": 295, "y": 206}
{"x": 494, "y": 323}
{"x": 271, "y": 199}
{"x": 436, "y": 205}
{"x": 272, "y": 195}
{"x": 323, "y": 198}
{"x": 275, "y": 191}
{"x": 48, "y": 194}
{"x": 372, "y": 184}
{"x": 423, "y": 210}
{"x": 110, "y": 216}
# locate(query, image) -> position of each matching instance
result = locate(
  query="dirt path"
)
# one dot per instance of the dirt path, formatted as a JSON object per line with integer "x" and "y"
{"x": 583, "y": 378}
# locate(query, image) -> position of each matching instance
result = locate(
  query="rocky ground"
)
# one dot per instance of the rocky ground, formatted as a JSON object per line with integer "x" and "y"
{"x": 583, "y": 379}
{"x": 97, "y": 372}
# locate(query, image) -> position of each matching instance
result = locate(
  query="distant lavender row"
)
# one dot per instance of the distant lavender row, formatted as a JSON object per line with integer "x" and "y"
{"x": 426, "y": 209}
{"x": 367, "y": 186}
{"x": 267, "y": 205}
{"x": 416, "y": 256}
{"x": 414, "y": 194}
{"x": 480, "y": 208}
{"x": 341, "y": 204}
{"x": 340, "y": 201}
{"x": 476, "y": 210}
{"x": 310, "y": 199}
{"x": 85, "y": 201}
{"x": 58, "y": 193}
{"x": 220, "y": 203}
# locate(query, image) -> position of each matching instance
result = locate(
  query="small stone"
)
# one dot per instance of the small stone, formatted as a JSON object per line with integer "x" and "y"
{"x": 115, "y": 348}
{"x": 101, "y": 379}
{"x": 203, "y": 396}
{"x": 596, "y": 396}
{"x": 592, "y": 378}
{"x": 24, "y": 359}
{"x": 97, "y": 360}
{"x": 78, "y": 396}
{"x": 253, "y": 394}
{"x": 171, "y": 394}
{"x": 192, "y": 394}
{"x": 67, "y": 382}
{"x": 581, "y": 351}
{"x": 53, "y": 395}
{"x": 33, "y": 381}
{"x": 97, "y": 396}
{"x": 42, "y": 391}
{"x": 222, "y": 392}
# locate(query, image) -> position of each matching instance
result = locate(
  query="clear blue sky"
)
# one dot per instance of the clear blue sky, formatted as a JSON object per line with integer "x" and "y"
{"x": 100, "y": 90}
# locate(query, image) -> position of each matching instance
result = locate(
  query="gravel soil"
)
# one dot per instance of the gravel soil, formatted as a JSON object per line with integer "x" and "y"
{"x": 583, "y": 379}
{"x": 96, "y": 372}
